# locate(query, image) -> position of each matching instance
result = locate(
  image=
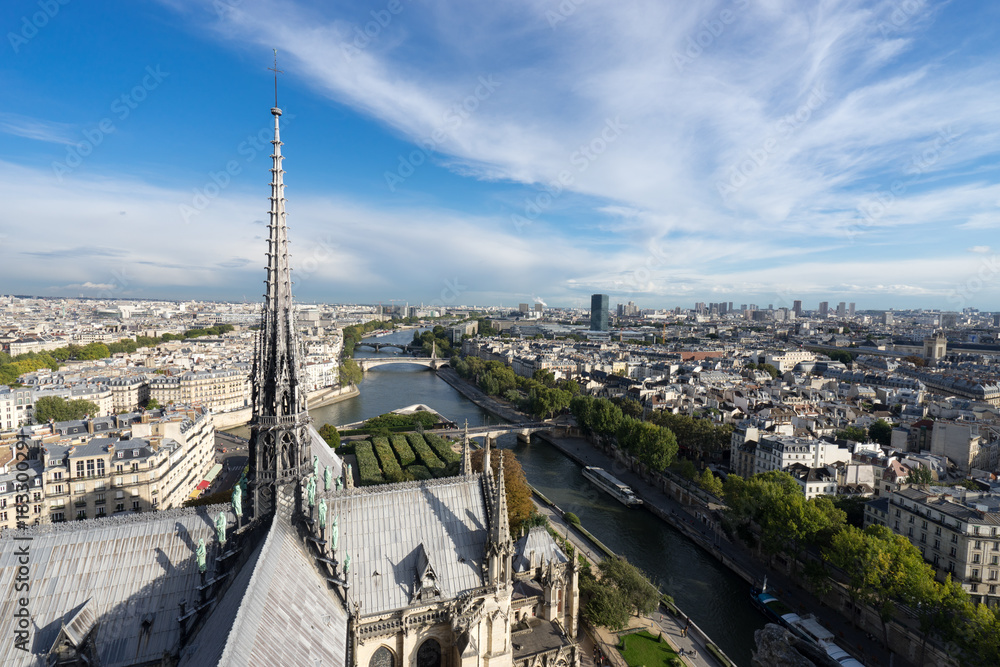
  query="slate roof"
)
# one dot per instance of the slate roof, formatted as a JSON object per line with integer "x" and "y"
{"x": 128, "y": 567}
{"x": 383, "y": 528}
{"x": 287, "y": 613}
{"x": 545, "y": 548}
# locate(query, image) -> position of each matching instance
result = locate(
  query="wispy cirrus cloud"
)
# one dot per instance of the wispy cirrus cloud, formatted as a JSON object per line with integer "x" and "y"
{"x": 35, "y": 128}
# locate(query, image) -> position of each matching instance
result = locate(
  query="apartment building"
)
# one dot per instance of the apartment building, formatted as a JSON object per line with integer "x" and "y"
{"x": 20, "y": 480}
{"x": 128, "y": 393}
{"x": 956, "y": 530}
{"x": 152, "y": 461}
{"x": 220, "y": 390}
{"x": 779, "y": 452}
{"x": 15, "y": 407}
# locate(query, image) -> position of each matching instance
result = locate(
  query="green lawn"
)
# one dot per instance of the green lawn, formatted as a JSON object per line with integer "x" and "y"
{"x": 641, "y": 649}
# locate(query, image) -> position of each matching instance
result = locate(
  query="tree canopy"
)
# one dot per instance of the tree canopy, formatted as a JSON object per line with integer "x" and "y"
{"x": 60, "y": 410}
{"x": 621, "y": 590}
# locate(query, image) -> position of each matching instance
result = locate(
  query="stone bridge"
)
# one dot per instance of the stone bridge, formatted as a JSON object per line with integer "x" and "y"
{"x": 380, "y": 346}
{"x": 431, "y": 363}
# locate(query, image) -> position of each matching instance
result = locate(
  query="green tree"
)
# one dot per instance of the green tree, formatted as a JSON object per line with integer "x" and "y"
{"x": 350, "y": 372}
{"x": 330, "y": 434}
{"x": 686, "y": 469}
{"x": 59, "y": 409}
{"x": 622, "y": 590}
{"x": 855, "y": 433}
{"x": 710, "y": 483}
{"x": 920, "y": 475}
{"x": 881, "y": 432}
{"x": 882, "y": 568}
{"x": 153, "y": 404}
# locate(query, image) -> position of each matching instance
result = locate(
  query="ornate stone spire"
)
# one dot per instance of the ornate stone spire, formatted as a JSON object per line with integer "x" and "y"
{"x": 279, "y": 437}
{"x": 500, "y": 548}
{"x": 466, "y": 452}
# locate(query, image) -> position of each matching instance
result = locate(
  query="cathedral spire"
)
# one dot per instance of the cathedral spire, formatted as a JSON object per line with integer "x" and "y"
{"x": 501, "y": 526}
{"x": 279, "y": 427}
{"x": 466, "y": 452}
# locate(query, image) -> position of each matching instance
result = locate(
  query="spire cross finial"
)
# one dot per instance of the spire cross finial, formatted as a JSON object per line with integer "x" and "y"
{"x": 276, "y": 73}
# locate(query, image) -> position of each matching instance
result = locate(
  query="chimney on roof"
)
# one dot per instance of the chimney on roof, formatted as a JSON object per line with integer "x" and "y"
{"x": 90, "y": 424}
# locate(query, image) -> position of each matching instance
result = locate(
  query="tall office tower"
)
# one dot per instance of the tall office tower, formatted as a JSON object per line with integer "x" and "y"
{"x": 824, "y": 308}
{"x": 743, "y": 306}
{"x": 599, "y": 312}
{"x": 887, "y": 319}
{"x": 841, "y": 309}
{"x": 797, "y": 308}
{"x": 996, "y": 319}
{"x": 538, "y": 307}
{"x": 700, "y": 307}
{"x": 523, "y": 307}
{"x": 850, "y": 309}
{"x": 729, "y": 307}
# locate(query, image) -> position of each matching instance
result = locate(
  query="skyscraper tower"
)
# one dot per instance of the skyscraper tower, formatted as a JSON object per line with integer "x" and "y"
{"x": 279, "y": 427}
{"x": 599, "y": 312}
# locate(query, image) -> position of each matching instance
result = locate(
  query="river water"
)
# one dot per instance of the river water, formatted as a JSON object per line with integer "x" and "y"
{"x": 716, "y": 599}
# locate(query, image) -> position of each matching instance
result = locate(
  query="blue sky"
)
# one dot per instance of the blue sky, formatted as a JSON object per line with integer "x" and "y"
{"x": 457, "y": 153}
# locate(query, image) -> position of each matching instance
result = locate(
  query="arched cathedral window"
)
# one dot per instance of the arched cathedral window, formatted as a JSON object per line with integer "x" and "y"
{"x": 383, "y": 657}
{"x": 429, "y": 654}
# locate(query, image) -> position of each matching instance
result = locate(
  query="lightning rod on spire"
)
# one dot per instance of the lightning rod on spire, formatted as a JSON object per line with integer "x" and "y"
{"x": 276, "y": 73}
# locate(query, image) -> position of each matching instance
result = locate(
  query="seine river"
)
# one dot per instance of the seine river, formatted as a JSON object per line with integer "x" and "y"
{"x": 716, "y": 599}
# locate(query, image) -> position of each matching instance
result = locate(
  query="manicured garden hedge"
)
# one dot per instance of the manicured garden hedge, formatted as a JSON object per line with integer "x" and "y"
{"x": 442, "y": 448}
{"x": 419, "y": 472}
{"x": 368, "y": 469}
{"x": 427, "y": 456}
{"x": 390, "y": 467}
{"x": 403, "y": 450}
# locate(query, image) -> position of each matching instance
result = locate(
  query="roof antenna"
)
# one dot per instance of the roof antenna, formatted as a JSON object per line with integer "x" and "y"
{"x": 276, "y": 73}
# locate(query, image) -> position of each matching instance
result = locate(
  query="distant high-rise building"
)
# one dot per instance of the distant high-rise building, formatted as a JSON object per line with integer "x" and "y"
{"x": 887, "y": 319}
{"x": 841, "y": 309}
{"x": 523, "y": 307}
{"x": 850, "y": 309}
{"x": 628, "y": 309}
{"x": 599, "y": 312}
{"x": 538, "y": 307}
{"x": 797, "y": 308}
{"x": 729, "y": 307}
{"x": 824, "y": 308}
{"x": 949, "y": 320}
{"x": 996, "y": 319}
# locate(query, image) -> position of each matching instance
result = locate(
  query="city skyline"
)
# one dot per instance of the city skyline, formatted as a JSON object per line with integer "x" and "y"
{"x": 647, "y": 164}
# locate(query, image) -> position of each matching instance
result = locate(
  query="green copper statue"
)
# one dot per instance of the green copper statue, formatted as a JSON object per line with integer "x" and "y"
{"x": 347, "y": 565}
{"x": 334, "y": 533}
{"x": 220, "y": 527}
{"x": 316, "y": 467}
{"x": 200, "y": 555}
{"x": 238, "y": 501}
{"x": 327, "y": 478}
{"x": 311, "y": 490}
{"x": 340, "y": 483}
{"x": 322, "y": 513}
